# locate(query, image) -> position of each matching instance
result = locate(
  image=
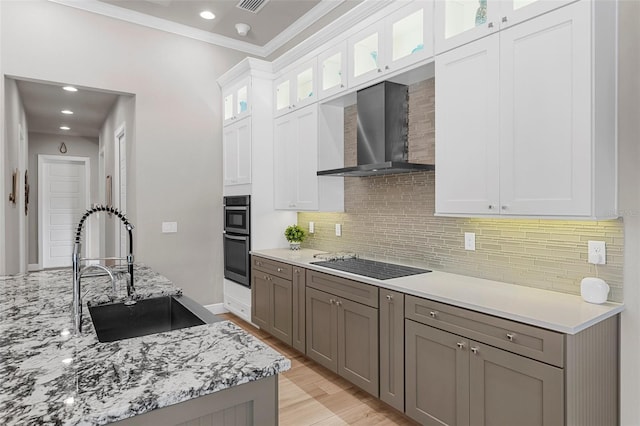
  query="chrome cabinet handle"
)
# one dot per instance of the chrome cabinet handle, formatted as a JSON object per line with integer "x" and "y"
{"x": 460, "y": 345}
{"x": 504, "y": 207}
{"x": 338, "y": 303}
{"x": 258, "y": 263}
{"x": 474, "y": 350}
{"x": 331, "y": 301}
{"x": 297, "y": 271}
{"x": 379, "y": 70}
{"x": 504, "y": 19}
{"x": 490, "y": 25}
{"x": 389, "y": 297}
{"x": 279, "y": 269}
{"x": 386, "y": 67}
{"x": 511, "y": 337}
{"x": 490, "y": 206}
{"x": 433, "y": 314}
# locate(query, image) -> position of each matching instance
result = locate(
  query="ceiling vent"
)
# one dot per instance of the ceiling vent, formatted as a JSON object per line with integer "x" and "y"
{"x": 253, "y": 6}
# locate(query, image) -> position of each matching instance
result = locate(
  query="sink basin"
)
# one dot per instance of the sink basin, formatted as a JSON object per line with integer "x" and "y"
{"x": 118, "y": 321}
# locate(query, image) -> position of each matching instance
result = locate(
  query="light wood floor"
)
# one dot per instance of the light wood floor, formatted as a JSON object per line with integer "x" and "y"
{"x": 309, "y": 394}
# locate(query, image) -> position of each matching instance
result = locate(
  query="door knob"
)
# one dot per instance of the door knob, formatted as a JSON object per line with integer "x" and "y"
{"x": 433, "y": 314}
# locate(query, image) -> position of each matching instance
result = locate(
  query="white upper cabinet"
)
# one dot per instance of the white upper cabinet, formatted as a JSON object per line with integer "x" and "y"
{"x": 401, "y": 39}
{"x": 532, "y": 133}
{"x": 332, "y": 71}
{"x": 295, "y": 88}
{"x": 461, "y": 21}
{"x": 236, "y": 153}
{"x": 296, "y": 160}
{"x": 236, "y": 101}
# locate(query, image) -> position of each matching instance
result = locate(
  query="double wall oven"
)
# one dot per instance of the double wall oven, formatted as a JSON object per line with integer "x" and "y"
{"x": 237, "y": 239}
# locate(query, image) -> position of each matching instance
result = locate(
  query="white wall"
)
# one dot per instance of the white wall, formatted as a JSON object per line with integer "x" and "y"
{"x": 13, "y": 213}
{"x": 629, "y": 196}
{"x": 177, "y": 165}
{"x": 48, "y": 144}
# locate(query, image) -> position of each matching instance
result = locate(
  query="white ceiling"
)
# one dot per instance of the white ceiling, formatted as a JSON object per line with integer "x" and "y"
{"x": 44, "y": 101}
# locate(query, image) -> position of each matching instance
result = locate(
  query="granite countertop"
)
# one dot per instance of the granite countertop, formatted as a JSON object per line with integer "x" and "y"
{"x": 48, "y": 376}
{"x": 552, "y": 310}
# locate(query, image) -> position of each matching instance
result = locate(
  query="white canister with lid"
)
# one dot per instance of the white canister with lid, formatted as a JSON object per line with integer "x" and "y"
{"x": 594, "y": 290}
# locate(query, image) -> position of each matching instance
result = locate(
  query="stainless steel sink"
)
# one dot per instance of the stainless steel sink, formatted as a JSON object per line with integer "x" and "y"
{"x": 118, "y": 321}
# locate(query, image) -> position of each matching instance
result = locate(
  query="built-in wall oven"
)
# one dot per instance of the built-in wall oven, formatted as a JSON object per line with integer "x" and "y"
{"x": 237, "y": 239}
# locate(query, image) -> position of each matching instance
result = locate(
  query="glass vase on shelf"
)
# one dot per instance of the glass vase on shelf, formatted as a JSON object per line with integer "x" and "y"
{"x": 481, "y": 13}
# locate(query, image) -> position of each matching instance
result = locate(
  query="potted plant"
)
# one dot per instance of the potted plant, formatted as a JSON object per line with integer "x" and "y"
{"x": 295, "y": 235}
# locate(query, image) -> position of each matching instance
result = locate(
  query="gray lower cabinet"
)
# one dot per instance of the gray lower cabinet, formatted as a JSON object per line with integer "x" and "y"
{"x": 455, "y": 381}
{"x": 342, "y": 335}
{"x": 272, "y": 299}
{"x": 299, "y": 309}
{"x": 391, "y": 313}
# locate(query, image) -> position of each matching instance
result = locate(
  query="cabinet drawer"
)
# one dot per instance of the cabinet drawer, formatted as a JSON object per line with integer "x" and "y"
{"x": 533, "y": 342}
{"x": 352, "y": 290}
{"x": 282, "y": 270}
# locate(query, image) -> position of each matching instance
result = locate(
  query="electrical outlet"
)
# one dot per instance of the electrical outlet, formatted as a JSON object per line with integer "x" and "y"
{"x": 469, "y": 241}
{"x": 312, "y": 227}
{"x": 338, "y": 230}
{"x": 597, "y": 252}
{"x": 169, "y": 227}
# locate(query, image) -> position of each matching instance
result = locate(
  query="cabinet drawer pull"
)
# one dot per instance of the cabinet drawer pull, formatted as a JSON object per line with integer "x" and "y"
{"x": 433, "y": 314}
{"x": 460, "y": 345}
{"x": 504, "y": 19}
{"x": 331, "y": 301}
{"x": 379, "y": 70}
{"x": 338, "y": 303}
{"x": 258, "y": 263}
{"x": 490, "y": 25}
{"x": 474, "y": 350}
{"x": 279, "y": 269}
{"x": 490, "y": 207}
{"x": 297, "y": 271}
{"x": 511, "y": 337}
{"x": 389, "y": 297}
{"x": 504, "y": 207}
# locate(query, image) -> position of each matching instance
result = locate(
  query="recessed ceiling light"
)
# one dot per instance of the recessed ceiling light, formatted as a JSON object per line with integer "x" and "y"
{"x": 207, "y": 14}
{"x": 67, "y": 111}
{"x": 70, "y": 89}
{"x": 65, "y": 128}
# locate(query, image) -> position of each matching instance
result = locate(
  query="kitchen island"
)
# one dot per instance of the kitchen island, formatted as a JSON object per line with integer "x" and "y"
{"x": 50, "y": 376}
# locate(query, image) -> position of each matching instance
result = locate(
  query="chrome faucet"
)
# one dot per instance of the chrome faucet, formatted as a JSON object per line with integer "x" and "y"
{"x": 104, "y": 268}
{"x": 76, "y": 260}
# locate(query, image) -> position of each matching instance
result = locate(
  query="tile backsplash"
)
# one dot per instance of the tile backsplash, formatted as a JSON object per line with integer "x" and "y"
{"x": 391, "y": 218}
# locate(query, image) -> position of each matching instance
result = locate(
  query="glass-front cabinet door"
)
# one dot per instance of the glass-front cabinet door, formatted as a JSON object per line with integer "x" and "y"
{"x": 236, "y": 101}
{"x": 403, "y": 38}
{"x": 458, "y": 22}
{"x": 295, "y": 88}
{"x": 332, "y": 71}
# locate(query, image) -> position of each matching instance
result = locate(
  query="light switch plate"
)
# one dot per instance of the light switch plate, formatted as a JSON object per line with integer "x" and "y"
{"x": 169, "y": 227}
{"x": 312, "y": 227}
{"x": 338, "y": 230}
{"x": 469, "y": 240}
{"x": 597, "y": 252}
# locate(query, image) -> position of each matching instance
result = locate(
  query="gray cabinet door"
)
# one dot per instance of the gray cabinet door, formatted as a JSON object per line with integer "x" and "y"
{"x": 358, "y": 344}
{"x": 280, "y": 315}
{"x": 322, "y": 328}
{"x": 299, "y": 304}
{"x": 260, "y": 299}
{"x": 392, "y": 348}
{"x": 509, "y": 389}
{"x": 437, "y": 376}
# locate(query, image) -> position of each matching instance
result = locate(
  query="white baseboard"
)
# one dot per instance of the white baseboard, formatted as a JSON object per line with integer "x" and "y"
{"x": 217, "y": 308}
{"x": 34, "y": 267}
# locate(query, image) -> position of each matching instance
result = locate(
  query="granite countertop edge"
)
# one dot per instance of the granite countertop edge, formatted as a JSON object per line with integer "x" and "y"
{"x": 49, "y": 376}
{"x": 552, "y": 310}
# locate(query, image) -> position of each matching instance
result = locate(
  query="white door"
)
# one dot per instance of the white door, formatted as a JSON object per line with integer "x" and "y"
{"x": 63, "y": 198}
{"x": 120, "y": 192}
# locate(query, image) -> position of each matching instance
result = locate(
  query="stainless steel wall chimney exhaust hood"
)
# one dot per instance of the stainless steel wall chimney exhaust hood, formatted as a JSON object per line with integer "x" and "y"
{"x": 382, "y": 142}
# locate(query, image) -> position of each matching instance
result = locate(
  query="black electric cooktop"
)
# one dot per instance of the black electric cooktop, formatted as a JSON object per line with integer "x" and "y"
{"x": 371, "y": 268}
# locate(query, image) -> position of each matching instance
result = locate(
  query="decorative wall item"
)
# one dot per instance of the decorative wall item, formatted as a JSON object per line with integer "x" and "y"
{"x": 26, "y": 192}
{"x": 14, "y": 187}
{"x": 63, "y": 148}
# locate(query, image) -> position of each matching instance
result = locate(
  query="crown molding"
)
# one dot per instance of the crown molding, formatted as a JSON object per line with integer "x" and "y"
{"x": 253, "y": 66}
{"x": 106, "y": 9}
{"x": 340, "y": 28}
{"x": 304, "y": 22}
